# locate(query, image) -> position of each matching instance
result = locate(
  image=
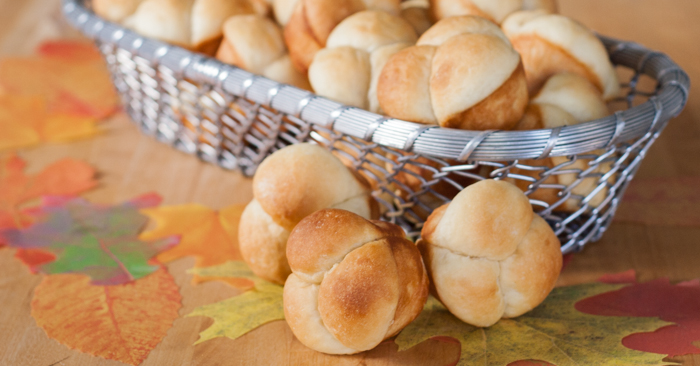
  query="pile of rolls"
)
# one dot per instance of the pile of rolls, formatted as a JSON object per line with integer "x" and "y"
{"x": 351, "y": 281}
{"x": 465, "y": 64}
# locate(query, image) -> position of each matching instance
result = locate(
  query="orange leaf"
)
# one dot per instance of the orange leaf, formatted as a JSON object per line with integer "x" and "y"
{"x": 19, "y": 118}
{"x": 24, "y": 121}
{"x": 210, "y": 236}
{"x": 68, "y": 74}
{"x": 122, "y": 323}
{"x": 65, "y": 177}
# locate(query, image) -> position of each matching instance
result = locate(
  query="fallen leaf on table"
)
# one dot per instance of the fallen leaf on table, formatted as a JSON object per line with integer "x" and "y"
{"x": 210, "y": 236}
{"x": 99, "y": 241}
{"x": 70, "y": 75}
{"x": 679, "y": 304}
{"x": 239, "y": 315}
{"x": 122, "y": 323}
{"x": 661, "y": 201}
{"x": 554, "y": 332}
{"x": 25, "y": 122}
{"x": 65, "y": 177}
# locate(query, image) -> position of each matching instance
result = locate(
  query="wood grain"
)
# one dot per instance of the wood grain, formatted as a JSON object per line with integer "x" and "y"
{"x": 131, "y": 164}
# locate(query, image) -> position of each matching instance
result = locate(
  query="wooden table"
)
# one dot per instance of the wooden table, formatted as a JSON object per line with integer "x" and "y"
{"x": 131, "y": 164}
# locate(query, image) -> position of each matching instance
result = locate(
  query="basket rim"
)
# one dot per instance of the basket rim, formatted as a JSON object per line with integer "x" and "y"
{"x": 666, "y": 102}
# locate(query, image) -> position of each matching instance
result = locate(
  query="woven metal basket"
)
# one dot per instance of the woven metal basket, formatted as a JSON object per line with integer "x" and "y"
{"x": 230, "y": 117}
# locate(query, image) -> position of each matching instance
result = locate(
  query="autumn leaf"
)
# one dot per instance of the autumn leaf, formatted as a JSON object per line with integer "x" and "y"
{"x": 554, "y": 332}
{"x": 99, "y": 241}
{"x": 122, "y": 323}
{"x": 65, "y": 177}
{"x": 69, "y": 75}
{"x": 239, "y": 315}
{"x": 679, "y": 304}
{"x": 210, "y": 236}
{"x": 25, "y": 121}
{"x": 661, "y": 201}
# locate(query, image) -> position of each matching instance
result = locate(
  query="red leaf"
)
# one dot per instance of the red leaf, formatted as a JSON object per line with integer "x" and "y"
{"x": 679, "y": 304}
{"x": 34, "y": 258}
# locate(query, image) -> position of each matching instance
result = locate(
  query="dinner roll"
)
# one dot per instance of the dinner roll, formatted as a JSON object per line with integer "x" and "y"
{"x": 551, "y": 44}
{"x": 565, "y": 100}
{"x": 493, "y": 10}
{"x": 488, "y": 255}
{"x": 463, "y": 73}
{"x": 354, "y": 282}
{"x": 289, "y": 185}
{"x": 191, "y": 24}
{"x": 311, "y": 22}
{"x": 255, "y": 43}
{"x": 348, "y": 68}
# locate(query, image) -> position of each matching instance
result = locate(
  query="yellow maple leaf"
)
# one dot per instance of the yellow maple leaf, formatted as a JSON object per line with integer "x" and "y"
{"x": 210, "y": 236}
{"x": 239, "y": 315}
{"x": 554, "y": 332}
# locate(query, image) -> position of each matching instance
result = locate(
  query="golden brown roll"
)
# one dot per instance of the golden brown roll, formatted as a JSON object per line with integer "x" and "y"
{"x": 348, "y": 68}
{"x": 565, "y": 100}
{"x": 192, "y": 24}
{"x": 551, "y": 44}
{"x": 289, "y": 185}
{"x": 463, "y": 73}
{"x": 493, "y": 10}
{"x": 255, "y": 43}
{"x": 488, "y": 255}
{"x": 312, "y": 21}
{"x": 354, "y": 284}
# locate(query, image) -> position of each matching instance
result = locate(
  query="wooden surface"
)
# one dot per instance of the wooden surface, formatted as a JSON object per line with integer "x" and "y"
{"x": 131, "y": 164}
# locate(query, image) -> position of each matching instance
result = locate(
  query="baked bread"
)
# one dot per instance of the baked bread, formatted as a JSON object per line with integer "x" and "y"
{"x": 255, "y": 43}
{"x": 289, "y": 185}
{"x": 191, "y": 24}
{"x": 354, "y": 284}
{"x": 357, "y": 49}
{"x": 462, "y": 73}
{"x": 115, "y": 10}
{"x": 551, "y": 44}
{"x": 417, "y": 13}
{"x": 565, "y": 100}
{"x": 312, "y": 21}
{"x": 488, "y": 255}
{"x": 493, "y": 10}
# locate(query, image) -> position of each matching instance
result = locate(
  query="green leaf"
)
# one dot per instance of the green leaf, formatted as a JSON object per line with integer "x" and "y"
{"x": 554, "y": 332}
{"x": 99, "y": 241}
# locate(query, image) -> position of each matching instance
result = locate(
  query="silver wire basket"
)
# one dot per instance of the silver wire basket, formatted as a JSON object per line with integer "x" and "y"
{"x": 233, "y": 118}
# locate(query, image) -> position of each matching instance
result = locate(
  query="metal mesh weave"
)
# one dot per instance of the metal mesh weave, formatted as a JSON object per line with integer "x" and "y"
{"x": 574, "y": 176}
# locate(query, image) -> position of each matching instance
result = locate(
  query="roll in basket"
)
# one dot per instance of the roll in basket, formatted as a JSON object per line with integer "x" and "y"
{"x": 230, "y": 117}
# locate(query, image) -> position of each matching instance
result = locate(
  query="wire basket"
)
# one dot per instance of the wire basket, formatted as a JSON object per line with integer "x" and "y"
{"x": 233, "y": 118}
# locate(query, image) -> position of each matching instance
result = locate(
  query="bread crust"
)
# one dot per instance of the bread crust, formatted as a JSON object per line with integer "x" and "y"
{"x": 551, "y": 44}
{"x": 289, "y": 185}
{"x": 310, "y": 25}
{"x": 488, "y": 255}
{"x": 348, "y": 69}
{"x": 354, "y": 283}
{"x": 462, "y": 73}
{"x": 493, "y": 10}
